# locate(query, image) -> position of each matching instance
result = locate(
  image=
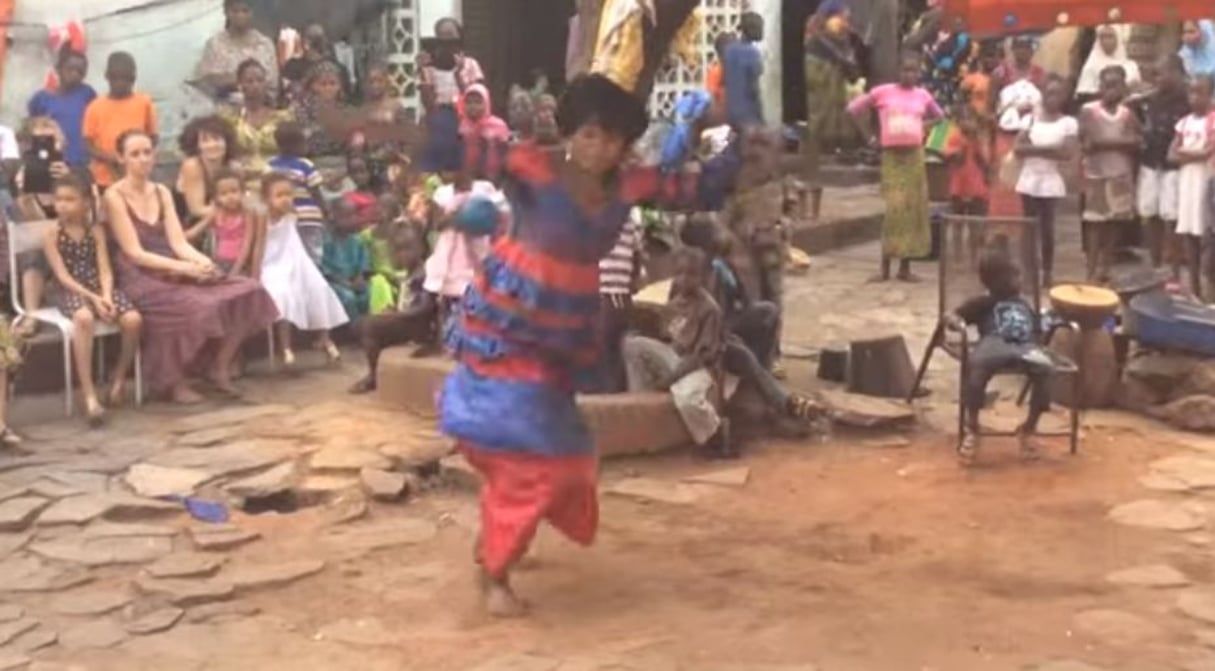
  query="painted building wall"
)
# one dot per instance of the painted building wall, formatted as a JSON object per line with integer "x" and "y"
{"x": 165, "y": 39}
{"x": 430, "y": 11}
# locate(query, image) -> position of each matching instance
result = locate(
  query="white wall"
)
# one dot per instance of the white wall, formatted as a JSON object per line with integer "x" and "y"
{"x": 770, "y": 86}
{"x": 430, "y": 11}
{"x": 166, "y": 41}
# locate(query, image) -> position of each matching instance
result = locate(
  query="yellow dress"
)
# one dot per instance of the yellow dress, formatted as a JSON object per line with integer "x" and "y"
{"x": 256, "y": 143}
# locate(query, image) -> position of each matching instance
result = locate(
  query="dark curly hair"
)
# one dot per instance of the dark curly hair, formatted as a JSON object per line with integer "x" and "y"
{"x": 598, "y": 100}
{"x": 211, "y": 125}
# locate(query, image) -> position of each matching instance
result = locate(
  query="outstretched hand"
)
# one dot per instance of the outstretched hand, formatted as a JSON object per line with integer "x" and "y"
{"x": 371, "y": 128}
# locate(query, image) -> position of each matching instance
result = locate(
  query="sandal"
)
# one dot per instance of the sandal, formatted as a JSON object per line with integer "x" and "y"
{"x": 288, "y": 358}
{"x": 95, "y": 415}
{"x": 801, "y": 407}
{"x": 968, "y": 450}
{"x": 1030, "y": 450}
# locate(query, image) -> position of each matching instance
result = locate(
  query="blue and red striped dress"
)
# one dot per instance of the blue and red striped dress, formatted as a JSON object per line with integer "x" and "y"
{"x": 528, "y": 334}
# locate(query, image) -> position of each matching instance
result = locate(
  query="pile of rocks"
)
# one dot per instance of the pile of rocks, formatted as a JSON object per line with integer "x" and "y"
{"x": 1175, "y": 388}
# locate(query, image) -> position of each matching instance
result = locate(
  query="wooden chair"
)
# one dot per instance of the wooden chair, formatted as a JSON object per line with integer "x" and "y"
{"x": 963, "y": 240}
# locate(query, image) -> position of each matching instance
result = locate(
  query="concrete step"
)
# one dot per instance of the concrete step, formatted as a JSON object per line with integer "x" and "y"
{"x": 620, "y": 424}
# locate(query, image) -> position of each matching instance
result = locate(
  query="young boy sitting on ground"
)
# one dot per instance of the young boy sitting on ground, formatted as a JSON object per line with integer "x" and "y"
{"x": 689, "y": 367}
{"x": 1008, "y": 329}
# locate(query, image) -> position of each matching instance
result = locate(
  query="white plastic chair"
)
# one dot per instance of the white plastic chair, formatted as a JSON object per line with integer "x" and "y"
{"x": 26, "y": 237}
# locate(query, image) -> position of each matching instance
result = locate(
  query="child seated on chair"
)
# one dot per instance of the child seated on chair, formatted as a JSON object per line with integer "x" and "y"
{"x": 1008, "y": 331}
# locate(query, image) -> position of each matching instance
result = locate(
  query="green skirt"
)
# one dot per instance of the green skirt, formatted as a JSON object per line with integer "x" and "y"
{"x": 906, "y": 231}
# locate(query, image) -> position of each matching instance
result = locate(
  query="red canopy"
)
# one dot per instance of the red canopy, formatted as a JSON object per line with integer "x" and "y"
{"x": 992, "y": 17}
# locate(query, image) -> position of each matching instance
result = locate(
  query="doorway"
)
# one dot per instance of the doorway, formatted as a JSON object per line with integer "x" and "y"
{"x": 514, "y": 40}
{"x": 794, "y": 14}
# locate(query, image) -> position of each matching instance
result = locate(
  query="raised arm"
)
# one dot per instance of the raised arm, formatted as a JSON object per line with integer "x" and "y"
{"x": 123, "y": 230}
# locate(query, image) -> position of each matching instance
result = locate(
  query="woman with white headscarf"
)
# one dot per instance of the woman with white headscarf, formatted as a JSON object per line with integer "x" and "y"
{"x": 1110, "y": 49}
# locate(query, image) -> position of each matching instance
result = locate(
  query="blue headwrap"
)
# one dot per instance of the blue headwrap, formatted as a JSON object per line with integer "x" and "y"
{"x": 688, "y": 110}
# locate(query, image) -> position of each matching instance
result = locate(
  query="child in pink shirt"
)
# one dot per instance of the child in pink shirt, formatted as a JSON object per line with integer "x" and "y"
{"x": 903, "y": 110}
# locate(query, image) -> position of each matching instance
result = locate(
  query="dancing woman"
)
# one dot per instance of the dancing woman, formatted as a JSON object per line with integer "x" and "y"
{"x": 527, "y": 335}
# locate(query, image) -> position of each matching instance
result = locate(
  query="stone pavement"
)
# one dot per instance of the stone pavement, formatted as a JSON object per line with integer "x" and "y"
{"x": 109, "y": 536}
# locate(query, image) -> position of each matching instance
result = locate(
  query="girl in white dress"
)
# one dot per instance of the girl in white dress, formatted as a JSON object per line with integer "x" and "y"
{"x": 1192, "y": 149}
{"x": 300, "y": 291}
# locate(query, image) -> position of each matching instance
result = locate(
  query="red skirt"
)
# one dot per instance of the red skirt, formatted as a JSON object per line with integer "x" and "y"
{"x": 1005, "y": 201}
{"x": 519, "y": 491}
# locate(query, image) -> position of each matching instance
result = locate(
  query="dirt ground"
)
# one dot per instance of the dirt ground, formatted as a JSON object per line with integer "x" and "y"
{"x": 846, "y": 555}
{"x": 867, "y": 552}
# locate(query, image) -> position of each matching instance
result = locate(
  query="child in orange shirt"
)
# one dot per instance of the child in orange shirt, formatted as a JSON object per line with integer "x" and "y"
{"x": 109, "y": 116}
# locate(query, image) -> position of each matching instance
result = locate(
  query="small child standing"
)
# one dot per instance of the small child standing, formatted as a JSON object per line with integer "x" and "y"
{"x": 80, "y": 259}
{"x": 310, "y": 206}
{"x": 361, "y": 196}
{"x": 1158, "y": 200}
{"x": 1109, "y": 134}
{"x": 968, "y": 151}
{"x": 345, "y": 261}
{"x": 303, "y": 298}
{"x": 385, "y": 276}
{"x": 1008, "y": 328}
{"x": 1192, "y": 149}
{"x": 1045, "y": 148}
{"x": 619, "y": 272}
{"x": 412, "y": 318}
{"x": 469, "y": 213}
{"x": 119, "y": 111}
{"x": 235, "y": 227}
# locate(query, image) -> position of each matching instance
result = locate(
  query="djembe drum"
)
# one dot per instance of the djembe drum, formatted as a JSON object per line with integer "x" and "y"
{"x": 1092, "y": 348}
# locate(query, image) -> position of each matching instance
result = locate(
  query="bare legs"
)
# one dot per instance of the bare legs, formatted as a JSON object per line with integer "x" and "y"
{"x": 282, "y": 331}
{"x": 33, "y": 286}
{"x": 83, "y": 326}
{"x": 904, "y": 273}
{"x": 130, "y": 326}
{"x": 1102, "y": 237}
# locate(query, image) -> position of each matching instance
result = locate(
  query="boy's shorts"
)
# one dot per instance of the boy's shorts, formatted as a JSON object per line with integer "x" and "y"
{"x": 1158, "y": 196}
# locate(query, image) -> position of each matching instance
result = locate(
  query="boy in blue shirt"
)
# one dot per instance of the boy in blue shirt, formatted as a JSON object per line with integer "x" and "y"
{"x": 743, "y": 68}
{"x": 66, "y": 105}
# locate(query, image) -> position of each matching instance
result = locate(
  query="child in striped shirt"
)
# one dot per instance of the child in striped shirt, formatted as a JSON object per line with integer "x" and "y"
{"x": 619, "y": 272}
{"x": 310, "y": 207}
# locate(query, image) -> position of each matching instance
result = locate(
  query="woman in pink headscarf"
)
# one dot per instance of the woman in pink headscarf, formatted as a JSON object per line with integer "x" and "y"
{"x": 484, "y": 135}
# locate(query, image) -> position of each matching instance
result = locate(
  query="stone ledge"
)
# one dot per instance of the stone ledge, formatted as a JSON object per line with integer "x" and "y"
{"x": 621, "y": 424}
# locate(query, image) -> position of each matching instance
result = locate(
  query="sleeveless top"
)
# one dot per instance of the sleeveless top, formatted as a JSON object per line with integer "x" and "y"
{"x": 229, "y": 236}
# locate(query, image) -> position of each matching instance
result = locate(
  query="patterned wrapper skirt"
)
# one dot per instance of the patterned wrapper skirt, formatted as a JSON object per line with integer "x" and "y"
{"x": 906, "y": 228}
{"x": 520, "y": 490}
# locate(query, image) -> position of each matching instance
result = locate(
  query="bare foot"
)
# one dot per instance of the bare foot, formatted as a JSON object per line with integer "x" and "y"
{"x": 878, "y": 279}
{"x": 288, "y": 358}
{"x": 1030, "y": 449}
{"x": 94, "y": 412}
{"x": 501, "y": 602}
{"x": 910, "y": 278}
{"x": 117, "y": 394}
{"x": 363, "y": 386}
{"x": 185, "y": 395}
{"x": 331, "y": 351}
{"x": 223, "y": 384}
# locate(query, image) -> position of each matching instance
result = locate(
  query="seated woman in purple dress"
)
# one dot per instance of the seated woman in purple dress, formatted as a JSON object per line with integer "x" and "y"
{"x": 187, "y": 303}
